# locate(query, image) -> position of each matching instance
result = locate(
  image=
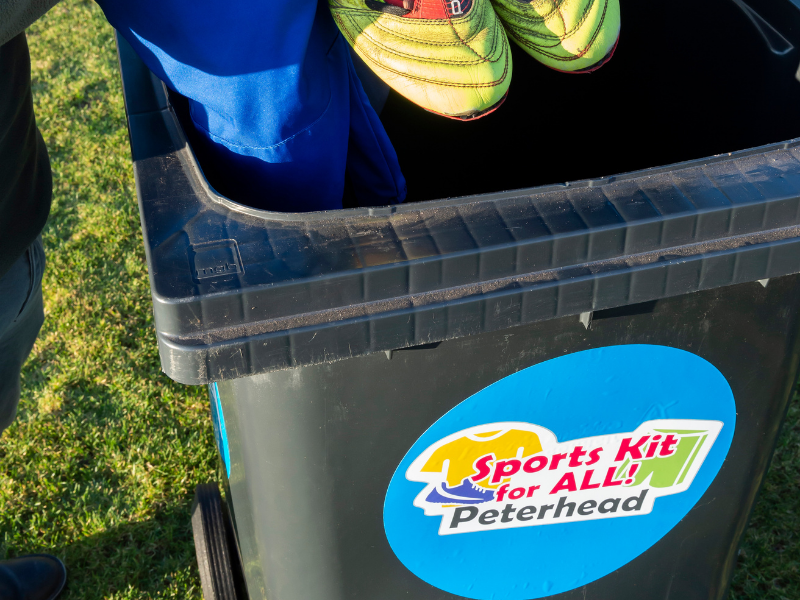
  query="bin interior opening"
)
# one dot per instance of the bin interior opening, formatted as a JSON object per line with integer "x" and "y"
{"x": 689, "y": 79}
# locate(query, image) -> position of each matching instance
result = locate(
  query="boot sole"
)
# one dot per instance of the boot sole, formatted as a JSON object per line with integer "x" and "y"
{"x": 473, "y": 116}
{"x": 594, "y": 67}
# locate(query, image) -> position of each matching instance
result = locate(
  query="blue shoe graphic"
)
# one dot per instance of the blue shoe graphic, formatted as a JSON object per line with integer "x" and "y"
{"x": 464, "y": 493}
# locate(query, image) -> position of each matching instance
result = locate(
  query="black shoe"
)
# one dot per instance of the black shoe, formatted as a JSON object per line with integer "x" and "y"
{"x": 32, "y": 577}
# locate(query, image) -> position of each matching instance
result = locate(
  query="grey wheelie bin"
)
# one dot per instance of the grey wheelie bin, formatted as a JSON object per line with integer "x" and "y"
{"x": 567, "y": 390}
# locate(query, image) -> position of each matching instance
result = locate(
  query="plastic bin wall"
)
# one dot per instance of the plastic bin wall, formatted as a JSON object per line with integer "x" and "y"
{"x": 313, "y": 450}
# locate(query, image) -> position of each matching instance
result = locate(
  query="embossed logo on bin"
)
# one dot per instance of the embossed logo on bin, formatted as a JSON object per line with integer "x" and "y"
{"x": 560, "y": 474}
{"x": 215, "y": 259}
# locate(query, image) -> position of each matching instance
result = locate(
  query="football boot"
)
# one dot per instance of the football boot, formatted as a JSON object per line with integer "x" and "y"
{"x": 450, "y": 57}
{"x": 574, "y": 36}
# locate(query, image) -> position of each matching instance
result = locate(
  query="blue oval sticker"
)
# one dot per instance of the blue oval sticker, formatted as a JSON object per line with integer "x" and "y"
{"x": 561, "y": 473}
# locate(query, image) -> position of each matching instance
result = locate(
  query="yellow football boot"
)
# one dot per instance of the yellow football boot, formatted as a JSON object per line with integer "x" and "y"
{"x": 576, "y": 36}
{"x": 450, "y": 57}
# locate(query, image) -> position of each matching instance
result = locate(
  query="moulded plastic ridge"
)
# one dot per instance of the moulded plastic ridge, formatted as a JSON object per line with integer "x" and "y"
{"x": 238, "y": 291}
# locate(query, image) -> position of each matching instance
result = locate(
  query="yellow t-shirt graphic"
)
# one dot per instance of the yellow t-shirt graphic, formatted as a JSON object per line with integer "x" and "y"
{"x": 463, "y": 452}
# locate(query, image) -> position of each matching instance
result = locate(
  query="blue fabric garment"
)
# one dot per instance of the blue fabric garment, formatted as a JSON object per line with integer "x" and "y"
{"x": 273, "y": 94}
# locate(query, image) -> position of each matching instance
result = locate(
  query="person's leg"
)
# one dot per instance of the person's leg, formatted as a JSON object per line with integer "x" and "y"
{"x": 25, "y": 191}
{"x": 37, "y": 576}
{"x": 21, "y": 317}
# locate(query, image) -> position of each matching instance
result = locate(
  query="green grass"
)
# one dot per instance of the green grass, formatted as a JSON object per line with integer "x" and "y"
{"x": 769, "y": 559}
{"x": 101, "y": 464}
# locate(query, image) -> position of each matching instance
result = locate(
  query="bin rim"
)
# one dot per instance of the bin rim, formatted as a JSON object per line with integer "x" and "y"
{"x": 239, "y": 291}
{"x": 397, "y": 209}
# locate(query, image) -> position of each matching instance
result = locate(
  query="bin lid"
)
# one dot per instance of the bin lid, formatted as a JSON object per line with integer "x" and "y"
{"x": 238, "y": 291}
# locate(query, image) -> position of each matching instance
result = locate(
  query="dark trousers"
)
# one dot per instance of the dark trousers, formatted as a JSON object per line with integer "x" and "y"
{"x": 21, "y": 317}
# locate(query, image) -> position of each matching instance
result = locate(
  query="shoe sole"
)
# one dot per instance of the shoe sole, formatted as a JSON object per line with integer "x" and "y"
{"x": 594, "y": 67}
{"x": 473, "y": 116}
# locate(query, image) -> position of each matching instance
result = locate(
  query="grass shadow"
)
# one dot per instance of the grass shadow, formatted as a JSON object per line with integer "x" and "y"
{"x": 148, "y": 558}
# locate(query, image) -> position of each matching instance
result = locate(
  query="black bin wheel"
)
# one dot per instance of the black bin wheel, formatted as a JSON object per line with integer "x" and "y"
{"x": 211, "y": 544}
